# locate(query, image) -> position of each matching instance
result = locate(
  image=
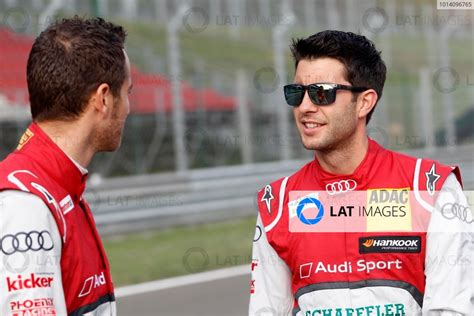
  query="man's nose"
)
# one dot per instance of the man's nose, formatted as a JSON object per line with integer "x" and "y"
{"x": 307, "y": 105}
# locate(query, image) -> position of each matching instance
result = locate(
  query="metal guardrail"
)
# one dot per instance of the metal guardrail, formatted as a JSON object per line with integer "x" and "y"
{"x": 157, "y": 201}
{"x": 127, "y": 204}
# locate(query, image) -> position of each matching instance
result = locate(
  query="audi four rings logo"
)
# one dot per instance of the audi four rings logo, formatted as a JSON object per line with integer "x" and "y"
{"x": 341, "y": 186}
{"x": 23, "y": 242}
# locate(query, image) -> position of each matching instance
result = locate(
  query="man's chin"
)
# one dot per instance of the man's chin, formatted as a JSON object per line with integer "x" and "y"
{"x": 111, "y": 147}
{"x": 315, "y": 145}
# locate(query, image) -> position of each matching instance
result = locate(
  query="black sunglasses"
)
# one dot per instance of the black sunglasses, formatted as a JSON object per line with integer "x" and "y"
{"x": 319, "y": 93}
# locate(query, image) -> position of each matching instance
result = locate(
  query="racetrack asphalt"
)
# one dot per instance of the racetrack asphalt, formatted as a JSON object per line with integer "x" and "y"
{"x": 229, "y": 296}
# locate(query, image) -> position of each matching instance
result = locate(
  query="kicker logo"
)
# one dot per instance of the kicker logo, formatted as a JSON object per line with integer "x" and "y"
{"x": 31, "y": 282}
{"x": 390, "y": 244}
{"x": 93, "y": 282}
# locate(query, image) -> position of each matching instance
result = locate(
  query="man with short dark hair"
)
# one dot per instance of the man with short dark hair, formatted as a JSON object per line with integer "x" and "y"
{"x": 53, "y": 261}
{"x": 338, "y": 81}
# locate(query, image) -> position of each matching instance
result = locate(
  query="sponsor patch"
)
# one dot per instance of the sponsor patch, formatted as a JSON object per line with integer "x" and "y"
{"x": 320, "y": 267}
{"x": 431, "y": 178}
{"x": 386, "y": 309}
{"x": 393, "y": 202}
{"x": 267, "y": 197}
{"x": 390, "y": 244}
{"x": 26, "y": 241}
{"x": 66, "y": 204}
{"x": 37, "y": 306}
{"x": 28, "y": 282}
{"x": 91, "y": 283}
{"x": 341, "y": 186}
{"x": 25, "y": 138}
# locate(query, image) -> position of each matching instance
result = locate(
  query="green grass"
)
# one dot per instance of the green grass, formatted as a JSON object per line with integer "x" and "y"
{"x": 161, "y": 254}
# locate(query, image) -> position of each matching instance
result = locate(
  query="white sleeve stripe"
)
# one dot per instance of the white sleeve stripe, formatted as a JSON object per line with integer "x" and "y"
{"x": 416, "y": 187}
{"x": 280, "y": 205}
{"x": 13, "y": 179}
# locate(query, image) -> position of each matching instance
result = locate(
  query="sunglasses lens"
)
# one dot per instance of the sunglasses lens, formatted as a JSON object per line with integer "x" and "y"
{"x": 321, "y": 96}
{"x": 294, "y": 94}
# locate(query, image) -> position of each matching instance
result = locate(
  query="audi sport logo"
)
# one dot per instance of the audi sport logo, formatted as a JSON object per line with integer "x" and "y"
{"x": 341, "y": 186}
{"x": 26, "y": 241}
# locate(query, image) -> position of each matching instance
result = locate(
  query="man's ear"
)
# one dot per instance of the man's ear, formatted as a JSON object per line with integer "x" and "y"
{"x": 102, "y": 99}
{"x": 366, "y": 102}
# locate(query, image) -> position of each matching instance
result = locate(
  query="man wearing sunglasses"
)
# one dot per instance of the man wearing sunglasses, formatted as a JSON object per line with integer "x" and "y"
{"x": 338, "y": 81}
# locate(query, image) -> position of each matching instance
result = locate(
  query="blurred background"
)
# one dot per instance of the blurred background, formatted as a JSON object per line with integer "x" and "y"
{"x": 209, "y": 124}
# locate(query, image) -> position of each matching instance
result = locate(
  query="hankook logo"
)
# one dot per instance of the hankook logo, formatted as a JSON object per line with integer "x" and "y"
{"x": 390, "y": 244}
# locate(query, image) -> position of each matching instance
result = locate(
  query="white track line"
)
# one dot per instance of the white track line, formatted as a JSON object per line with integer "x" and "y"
{"x": 182, "y": 281}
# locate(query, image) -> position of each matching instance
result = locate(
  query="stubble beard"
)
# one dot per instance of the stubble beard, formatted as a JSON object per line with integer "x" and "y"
{"x": 109, "y": 137}
{"x": 337, "y": 134}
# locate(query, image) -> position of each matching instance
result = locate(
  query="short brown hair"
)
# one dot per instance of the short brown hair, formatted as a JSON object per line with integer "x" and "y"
{"x": 68, "y": 61}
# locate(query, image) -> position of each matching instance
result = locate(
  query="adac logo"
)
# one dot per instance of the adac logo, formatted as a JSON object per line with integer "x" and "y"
{"x": 310, "y": 201}
{"x": 25, "y": 138}
{"x": 368, "y": 243}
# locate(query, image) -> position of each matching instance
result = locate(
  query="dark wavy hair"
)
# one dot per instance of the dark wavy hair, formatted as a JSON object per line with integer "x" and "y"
{"x": 363, "y": 63}
{"x": 68, "y": 61}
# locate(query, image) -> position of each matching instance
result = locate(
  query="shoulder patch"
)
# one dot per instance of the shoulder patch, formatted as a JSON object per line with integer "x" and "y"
{"x": 270, "y": 203}
{"x": 267, "y": 197}
{"x": 431, "y": 178}
{"x": 430, "y": 175}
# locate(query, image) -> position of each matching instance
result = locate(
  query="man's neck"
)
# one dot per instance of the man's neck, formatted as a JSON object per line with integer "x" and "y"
{"x": 345, "y": 159}
{"x": 71, "y": 139}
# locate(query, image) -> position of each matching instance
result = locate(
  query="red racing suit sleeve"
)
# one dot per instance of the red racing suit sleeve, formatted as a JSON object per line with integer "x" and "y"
{"x": 450, "y": 254}
{"x": 30, "y": 250}
{"x": 270, "y": 285}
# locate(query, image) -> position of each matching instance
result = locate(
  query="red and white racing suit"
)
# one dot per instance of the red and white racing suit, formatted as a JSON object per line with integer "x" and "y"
{"x": 52, "y": 258}
{"x": 311, "y": 274}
